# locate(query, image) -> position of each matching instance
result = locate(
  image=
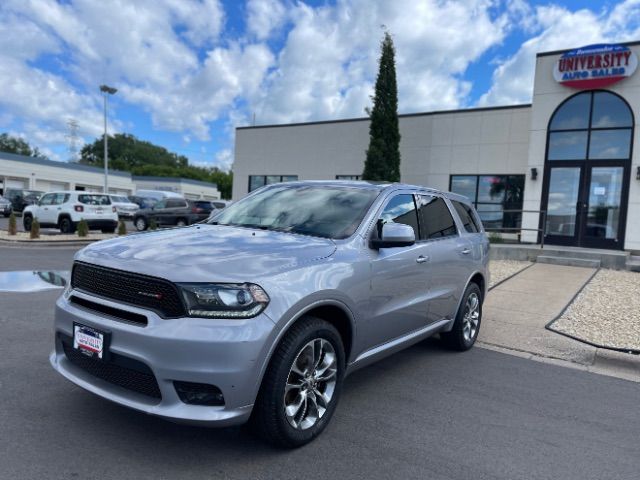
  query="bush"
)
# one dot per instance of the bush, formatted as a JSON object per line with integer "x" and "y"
{"x": 35, "y": 229}
{"x": 122, "y": 228}
{"x": 152, "y": 224}
{"x": 83, "y": 228}
{"x": 13, "y": 227}
{"x": 495, "y": 237}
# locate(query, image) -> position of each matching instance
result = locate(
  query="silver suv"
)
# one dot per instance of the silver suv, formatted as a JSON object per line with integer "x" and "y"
{"x": 261, "y": 312}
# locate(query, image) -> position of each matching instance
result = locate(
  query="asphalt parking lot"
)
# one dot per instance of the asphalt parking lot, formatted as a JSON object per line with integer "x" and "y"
{"x": 422, "y": 413}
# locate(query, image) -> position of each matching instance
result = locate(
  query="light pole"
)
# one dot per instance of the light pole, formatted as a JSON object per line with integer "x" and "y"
{"x": 107, "y": 91}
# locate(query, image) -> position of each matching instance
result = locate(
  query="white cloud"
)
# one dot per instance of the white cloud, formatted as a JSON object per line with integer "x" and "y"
{"x": 264, "y": 17}
{"x": 182, "y": 63}
{"x": 329, "y": 62}
{"x": 557, "y": 28}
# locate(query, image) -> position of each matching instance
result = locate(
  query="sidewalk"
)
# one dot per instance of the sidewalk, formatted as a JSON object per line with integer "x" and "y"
{"x": 515, "y": 314}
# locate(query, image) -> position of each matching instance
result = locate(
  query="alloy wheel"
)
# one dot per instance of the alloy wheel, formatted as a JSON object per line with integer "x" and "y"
{"x": 310, "y": 384}
{"x": 471, "y": 318}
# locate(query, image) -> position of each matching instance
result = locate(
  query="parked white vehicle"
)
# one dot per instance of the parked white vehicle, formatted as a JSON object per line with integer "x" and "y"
{"x": 64, "y": 210}
{"x": 124, "y": 207}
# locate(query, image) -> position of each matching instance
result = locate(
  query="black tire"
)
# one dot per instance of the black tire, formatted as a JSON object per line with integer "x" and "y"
{"x": 141, "y": 224}
{"x": 66, "y": 226}
{"x": 456, "y": 339}
{"x": 181, "y": 222}
{"x": 268, "y": 418}
{"x": 27, "y": 221}
{"x": 108, "y": 230}
{"x": 6, "y": 215}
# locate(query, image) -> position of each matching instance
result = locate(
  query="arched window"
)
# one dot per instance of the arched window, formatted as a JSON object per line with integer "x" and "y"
{"x": 591, "y": 126}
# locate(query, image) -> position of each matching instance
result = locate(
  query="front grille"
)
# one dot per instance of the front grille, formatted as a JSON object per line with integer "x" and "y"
{"x": 139, "y": 378}
{"x": 156, "y": 294}
{"x": 117, "y": 313}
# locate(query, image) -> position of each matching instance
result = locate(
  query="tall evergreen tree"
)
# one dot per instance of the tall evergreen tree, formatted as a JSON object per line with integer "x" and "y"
{"x": 383, "y": 154}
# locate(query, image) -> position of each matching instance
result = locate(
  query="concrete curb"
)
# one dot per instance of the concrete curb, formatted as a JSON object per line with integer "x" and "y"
{"x": 46, "y": 243}
{"x": 509, "y": 277}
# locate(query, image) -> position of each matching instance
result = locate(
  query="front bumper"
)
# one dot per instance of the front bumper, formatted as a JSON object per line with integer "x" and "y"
{"x": 226, "y": 353}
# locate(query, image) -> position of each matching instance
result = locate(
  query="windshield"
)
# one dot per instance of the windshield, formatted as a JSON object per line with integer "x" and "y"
{"x": 322, "y": 211}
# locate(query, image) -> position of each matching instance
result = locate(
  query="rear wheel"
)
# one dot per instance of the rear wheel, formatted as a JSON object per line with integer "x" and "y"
{"x": 141, "y": 224}
{"x": 467, "y": 324}
{"x": 181, "y": 222}
{"x": 27, "y": 221}
{"x": 66, "y": 225}
{"x": 108, "y": 230}
{"x": 302, "y": 384}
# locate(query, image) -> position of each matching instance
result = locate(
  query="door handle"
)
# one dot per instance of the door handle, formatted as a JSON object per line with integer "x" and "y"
{"x": 422, "y": 259}
{"x": 466, "y": 251}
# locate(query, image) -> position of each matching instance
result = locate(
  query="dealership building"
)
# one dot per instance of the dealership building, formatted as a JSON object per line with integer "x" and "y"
{"x": 564, "y": 165}
{"x": 34, "y": 173}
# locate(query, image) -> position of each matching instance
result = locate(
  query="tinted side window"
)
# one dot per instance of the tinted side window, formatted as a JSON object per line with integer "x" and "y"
{"x": 47, "y": 199}
{"x": 176, "y": 203}
{"x": 435, "y": 218}
{"x": 467, "y": 217}
{"x": 401, "y": 209}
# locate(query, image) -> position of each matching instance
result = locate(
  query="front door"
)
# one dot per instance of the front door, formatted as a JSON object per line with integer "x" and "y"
{"x": 585, "y": 205}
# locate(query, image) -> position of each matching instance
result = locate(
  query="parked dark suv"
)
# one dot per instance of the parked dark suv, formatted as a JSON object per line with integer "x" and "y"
{"x": 22, "y": 198}
{"x": 171, "y": 211}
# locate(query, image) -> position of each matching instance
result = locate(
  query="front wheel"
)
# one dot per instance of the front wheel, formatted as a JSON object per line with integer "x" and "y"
{"x": 467, "y": 323}
{"x": 302, "y": 384}
{"x": 141, "y": 224}
{"x": 181, "y": 222}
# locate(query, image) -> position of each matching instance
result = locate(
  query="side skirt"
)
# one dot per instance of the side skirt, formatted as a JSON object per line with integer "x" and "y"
{"x": 376, "y": 353}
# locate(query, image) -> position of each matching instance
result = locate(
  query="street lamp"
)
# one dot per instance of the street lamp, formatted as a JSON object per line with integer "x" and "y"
{"x": 107, "y": 91}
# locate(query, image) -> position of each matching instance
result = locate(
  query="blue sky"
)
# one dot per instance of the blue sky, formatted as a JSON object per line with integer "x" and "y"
{"x": 189, "y": 71}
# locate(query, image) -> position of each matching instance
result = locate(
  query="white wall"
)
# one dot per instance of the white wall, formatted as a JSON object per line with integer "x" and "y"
{"x": 432, "y": 147}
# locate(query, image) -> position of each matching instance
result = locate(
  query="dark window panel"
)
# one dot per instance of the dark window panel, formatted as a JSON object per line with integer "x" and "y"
{"x": 567, "y": 145}
{"x": 573, "y": 114}
{"x": 609, "y": 111}
{"x": 435, "y": 218}
{"x": 610, "y": 144}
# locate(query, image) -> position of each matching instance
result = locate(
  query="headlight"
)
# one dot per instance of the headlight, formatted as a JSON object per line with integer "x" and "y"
{"x": 224, "y": 300}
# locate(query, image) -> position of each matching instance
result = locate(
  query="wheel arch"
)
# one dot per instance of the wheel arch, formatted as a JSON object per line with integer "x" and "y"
{"x": 334, "y": 312}
{"x": 479, "y": 279}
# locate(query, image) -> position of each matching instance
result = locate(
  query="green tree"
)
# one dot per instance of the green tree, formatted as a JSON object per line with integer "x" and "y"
{"x": 13, "y": 228}
{"x": 83, "y": 228}
{"x": 128, "y": 153}
{"x": 11, "y": 144}
{"x": 35, "y": 229}
{"x": 122, "y": 228}
{"x": 383, "y": 154}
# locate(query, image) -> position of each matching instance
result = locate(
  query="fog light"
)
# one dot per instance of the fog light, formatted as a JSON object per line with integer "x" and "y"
{"x": 199, "y": 393}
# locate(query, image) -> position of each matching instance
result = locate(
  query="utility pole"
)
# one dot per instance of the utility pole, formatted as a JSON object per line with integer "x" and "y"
{"x": 73, "y": 139}
{"x": 106, "y": 90}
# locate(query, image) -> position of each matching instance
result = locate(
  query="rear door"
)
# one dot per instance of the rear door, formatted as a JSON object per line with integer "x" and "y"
{"x": 448, "y": 253}
{"x": 176, "y": 208}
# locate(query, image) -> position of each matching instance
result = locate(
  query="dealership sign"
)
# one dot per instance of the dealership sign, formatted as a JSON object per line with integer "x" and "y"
{"x": 595, "y": 66}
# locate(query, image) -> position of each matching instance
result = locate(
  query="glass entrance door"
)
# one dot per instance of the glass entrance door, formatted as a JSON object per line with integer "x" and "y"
{"x": 585, "y": 207}
{"x": 562, "y": 205}
{"x": 602, "y": 210}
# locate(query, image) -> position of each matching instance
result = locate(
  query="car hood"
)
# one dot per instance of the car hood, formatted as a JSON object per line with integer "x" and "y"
{"x": 208, "y": 253}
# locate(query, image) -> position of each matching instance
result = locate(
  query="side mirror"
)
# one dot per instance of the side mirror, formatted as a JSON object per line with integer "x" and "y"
{"x": 394, "y": 235}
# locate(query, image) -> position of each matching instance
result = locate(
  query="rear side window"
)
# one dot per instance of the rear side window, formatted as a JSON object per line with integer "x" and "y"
{"x": 466, "y": 216}
{"x": 60, "y": 198}
{"x": 435, "y": 218}
{"x": 401, "y": 209}
{"x": 176, "y": 202}
{"x": 94, "y": 199}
